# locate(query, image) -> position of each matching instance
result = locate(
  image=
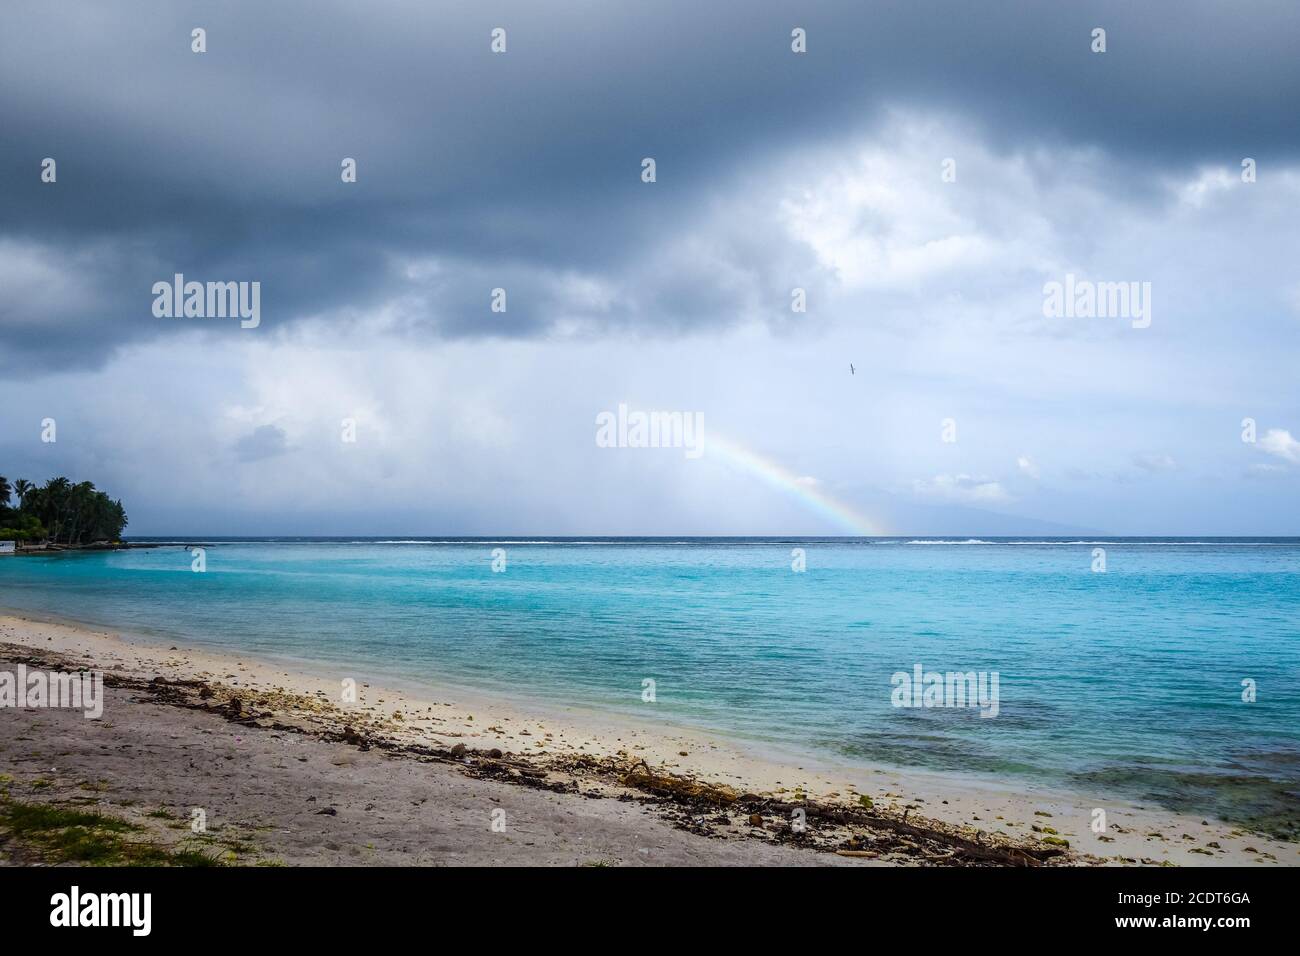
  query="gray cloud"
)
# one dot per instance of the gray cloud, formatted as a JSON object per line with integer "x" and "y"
{"x": 522, "y": 170}
{"x": 265, "y": 441}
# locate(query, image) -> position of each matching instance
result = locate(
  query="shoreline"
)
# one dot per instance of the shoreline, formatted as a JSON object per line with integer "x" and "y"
{"x": 680, "y": 772}
{"x": 770, "y": 755}
{"x": 78, "y": 548}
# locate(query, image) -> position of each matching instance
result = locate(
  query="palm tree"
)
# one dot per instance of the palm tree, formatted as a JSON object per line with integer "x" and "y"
{"x": 82, "y": 502}
{"x": 55, "y": 495}
{"x": 66, "y": 514}
{"x": 5, "y": 492}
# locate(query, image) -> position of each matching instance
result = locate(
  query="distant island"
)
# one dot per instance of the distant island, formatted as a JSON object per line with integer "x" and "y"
{"x": 59, "y": 515}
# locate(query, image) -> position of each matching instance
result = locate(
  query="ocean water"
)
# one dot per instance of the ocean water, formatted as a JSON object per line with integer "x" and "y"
{"x": 1126, "y": 682}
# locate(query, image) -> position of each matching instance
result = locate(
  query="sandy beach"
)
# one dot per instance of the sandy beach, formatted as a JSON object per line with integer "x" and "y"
{"x": 287, "y": 771}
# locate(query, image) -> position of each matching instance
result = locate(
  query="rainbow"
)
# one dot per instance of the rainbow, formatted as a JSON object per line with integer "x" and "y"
{"x": 784, "y": 480}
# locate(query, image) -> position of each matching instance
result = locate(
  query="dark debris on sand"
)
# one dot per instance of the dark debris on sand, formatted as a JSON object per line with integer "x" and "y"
{"x": 710, "y": 810}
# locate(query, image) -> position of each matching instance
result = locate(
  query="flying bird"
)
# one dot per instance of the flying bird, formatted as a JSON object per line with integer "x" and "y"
{"x": 852, "y": 370}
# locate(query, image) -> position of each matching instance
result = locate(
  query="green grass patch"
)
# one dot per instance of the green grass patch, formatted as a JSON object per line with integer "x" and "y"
{"x": 63, "y": 835}
{"x": 43, "y": 818}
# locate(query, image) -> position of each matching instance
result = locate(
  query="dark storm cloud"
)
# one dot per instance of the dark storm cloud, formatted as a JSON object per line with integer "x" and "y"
{"x": 522, "y": 169}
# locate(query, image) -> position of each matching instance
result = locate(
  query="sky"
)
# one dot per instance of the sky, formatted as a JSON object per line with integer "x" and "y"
{"x": 922, "y": 172}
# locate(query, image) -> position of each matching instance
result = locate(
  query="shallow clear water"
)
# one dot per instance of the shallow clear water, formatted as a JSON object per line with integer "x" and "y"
{"x": 1128, "y": 681}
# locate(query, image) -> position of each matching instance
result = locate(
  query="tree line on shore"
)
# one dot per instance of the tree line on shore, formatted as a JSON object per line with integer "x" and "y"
{"x": 59, "y": 513}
